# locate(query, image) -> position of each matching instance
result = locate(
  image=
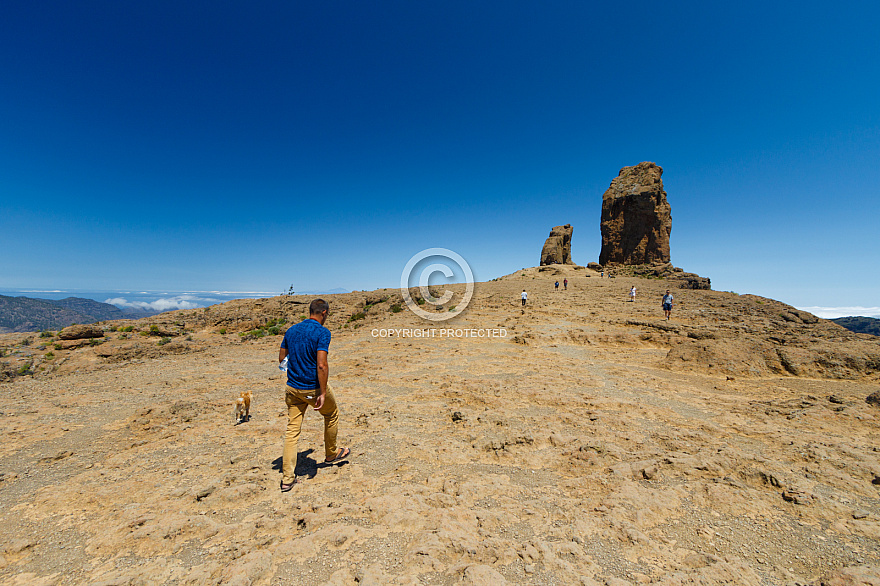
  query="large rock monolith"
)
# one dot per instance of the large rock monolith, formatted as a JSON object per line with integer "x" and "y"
{"x": 636, "y": 218}
{"x": 557, "y": 248}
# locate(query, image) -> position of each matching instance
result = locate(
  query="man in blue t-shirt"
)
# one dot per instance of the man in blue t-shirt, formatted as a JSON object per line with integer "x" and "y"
{"x": 305, "y": 346}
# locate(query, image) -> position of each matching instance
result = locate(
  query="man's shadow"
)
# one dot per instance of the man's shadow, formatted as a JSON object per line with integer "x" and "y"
{"x": 306, "y": 466}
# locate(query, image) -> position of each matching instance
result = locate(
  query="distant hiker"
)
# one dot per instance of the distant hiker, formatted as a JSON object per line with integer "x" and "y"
{"x": 557, "y": 285}
{"x": 667, "y": 304}
{"x": 306, "y": 345}
{"x": 525, "y": 297}
{"x": 632, "y": 294}
{"x": 565, "y": 284}
{"x": 602, "y": 275}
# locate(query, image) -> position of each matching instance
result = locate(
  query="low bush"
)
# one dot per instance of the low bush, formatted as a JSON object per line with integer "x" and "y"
{"x": 357, "y": 316}
{"x": 46, "y": 334}
{"x": 127, "y": 329}
{"x": 58, "y": 346}
{"x": 49, "y": 356}
{"x": 164, "y": 341}
{"x": 253, "y": 334}
{"x": 223, "y": 331}
{"x": 396, "y": 308}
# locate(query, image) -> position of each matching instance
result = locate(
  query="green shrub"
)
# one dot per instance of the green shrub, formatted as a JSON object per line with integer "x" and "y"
{"x": 274, "y": 331}
{"x": 357, "y": 316}
{"x": 164, "y": 341}
{"x": 452, "y": 308}
{"x": 189, "y": 338}
{"x": 49, "y": 356}
{"x": 25, "y": 369}
{"x": 113, "y": 328}
{"x": 420, "y": 301}
{"x": 223, "y": 331}
{"x": 58, "y": 346}
{"x": 257, "y": 333}
{"x": 128, "y": 328}
{"x": 46, "y": 334}
{"x": 396, "y": 308}
{"x": 154, "y": 329}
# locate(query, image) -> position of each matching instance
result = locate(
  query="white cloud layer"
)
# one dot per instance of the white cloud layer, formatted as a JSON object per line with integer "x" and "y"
{"x": 164, "y": 304}
{"x": 832, "y": 312}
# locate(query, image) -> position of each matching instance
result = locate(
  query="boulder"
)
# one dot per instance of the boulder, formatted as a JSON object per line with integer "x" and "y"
{"x": 594, "y": 266}
{"x": 873, "y": 399}
{"x": 694, "y": 282}
{"x": 81, "y": 332}
{"x": 636, "y": 218}
{"x": 557, "y": 248}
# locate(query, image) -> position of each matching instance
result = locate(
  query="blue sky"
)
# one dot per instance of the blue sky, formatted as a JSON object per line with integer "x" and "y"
{"x": 243, "y": 147}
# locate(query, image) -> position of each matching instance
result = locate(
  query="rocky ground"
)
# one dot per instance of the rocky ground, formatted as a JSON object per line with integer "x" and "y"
{"x": 595, "y": 443}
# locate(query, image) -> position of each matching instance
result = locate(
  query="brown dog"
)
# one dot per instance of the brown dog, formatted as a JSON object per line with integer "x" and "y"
{"x": 243, "y": 407}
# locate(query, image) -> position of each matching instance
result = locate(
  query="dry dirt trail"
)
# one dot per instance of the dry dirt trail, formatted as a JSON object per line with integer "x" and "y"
{"x": 578, "y": 449}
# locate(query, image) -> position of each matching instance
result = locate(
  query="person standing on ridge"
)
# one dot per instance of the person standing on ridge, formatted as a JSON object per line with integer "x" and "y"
{"x": 632, "y": 294}
{"x": 556, "y": 286}
{"x": 305, "y": 345}
{"x": 525, "y": 297}
{"x": 565, "y": 284}
{"x": 667, "y": 304}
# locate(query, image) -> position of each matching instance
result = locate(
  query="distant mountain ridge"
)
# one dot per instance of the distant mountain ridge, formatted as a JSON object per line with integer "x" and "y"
{"x": 26, "y": 314}
{"x": 859, "y": 324}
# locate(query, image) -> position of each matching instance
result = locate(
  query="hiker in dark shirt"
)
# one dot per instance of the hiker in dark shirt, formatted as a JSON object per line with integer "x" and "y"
{"x": 306, "y": 345}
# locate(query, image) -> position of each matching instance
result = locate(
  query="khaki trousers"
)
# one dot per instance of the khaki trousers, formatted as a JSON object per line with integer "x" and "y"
{"x": 297, "y": 403}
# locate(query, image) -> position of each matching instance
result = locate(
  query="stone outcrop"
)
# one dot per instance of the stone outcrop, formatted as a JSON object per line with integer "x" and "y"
{"x": 636, "y": 218}
{"x": 557, "y": 248}
{"x": 81, "y": 332}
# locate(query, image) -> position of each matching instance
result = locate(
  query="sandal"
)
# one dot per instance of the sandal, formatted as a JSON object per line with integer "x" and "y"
{"x": 340, "y": 455}
{"x": 289, "y": 487}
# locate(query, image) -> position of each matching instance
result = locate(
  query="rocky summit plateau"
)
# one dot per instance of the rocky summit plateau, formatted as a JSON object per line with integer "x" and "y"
{"x": 595, "y": 443}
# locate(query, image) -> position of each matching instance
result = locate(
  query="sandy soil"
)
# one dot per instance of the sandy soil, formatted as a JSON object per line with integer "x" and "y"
{"x": 579, "y": 449}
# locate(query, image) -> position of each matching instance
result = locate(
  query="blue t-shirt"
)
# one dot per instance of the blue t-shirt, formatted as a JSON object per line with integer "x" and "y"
{"x": 302, "y": 343}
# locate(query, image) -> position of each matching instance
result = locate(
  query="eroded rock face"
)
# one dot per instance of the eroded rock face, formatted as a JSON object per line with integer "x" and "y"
{"x": 636, "y": 218}
{"x": 557, "y": 248}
